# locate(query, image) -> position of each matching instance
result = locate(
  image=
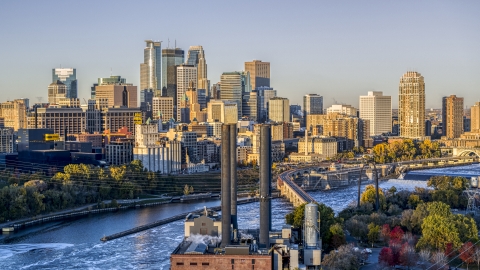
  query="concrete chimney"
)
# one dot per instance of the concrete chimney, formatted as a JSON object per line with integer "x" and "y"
{"x": 226, "y": 186}
{"x": 265, "y": 185}
{"x": 233, "y": 174}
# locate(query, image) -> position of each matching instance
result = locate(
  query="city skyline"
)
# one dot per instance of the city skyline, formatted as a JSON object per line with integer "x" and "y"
{"x": 370, "y": 47}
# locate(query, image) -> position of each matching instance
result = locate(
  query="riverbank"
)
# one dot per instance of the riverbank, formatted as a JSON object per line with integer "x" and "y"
{"x": 76, "y": 213}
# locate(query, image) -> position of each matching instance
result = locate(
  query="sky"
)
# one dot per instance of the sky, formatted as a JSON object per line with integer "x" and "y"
{"x": 337, "y": 49}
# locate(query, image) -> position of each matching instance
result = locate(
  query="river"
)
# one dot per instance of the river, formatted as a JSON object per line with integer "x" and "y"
{"x": 75, "y": 244}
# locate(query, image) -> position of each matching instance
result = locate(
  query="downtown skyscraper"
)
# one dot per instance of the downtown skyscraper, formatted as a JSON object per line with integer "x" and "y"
{"x": 196, "y": 57}
{"x": 67, "y": 76}
{"x": 171, "y": 58}
{"x": 411, "y": 105}
{"x": 312, "y": 104}
{"x": 452, "y": 116}
{"x": 377, "y": 108}
{"x": 151, "y": 68}
{"x": 259, "y": 73}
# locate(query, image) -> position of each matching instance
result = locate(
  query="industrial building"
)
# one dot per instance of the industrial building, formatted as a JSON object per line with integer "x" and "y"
{"x": 215, "y": 241}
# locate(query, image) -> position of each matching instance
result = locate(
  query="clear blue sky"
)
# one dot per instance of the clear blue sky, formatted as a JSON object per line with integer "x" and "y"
{"x": 339, "y": 49}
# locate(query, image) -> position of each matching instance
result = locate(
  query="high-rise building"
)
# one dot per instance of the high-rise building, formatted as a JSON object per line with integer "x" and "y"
{"x": 452, "y": 116}
{"x": 196, "y": 57}
{"x": 56, "y": 91}
{"x": 343, "y": 109}
{"x": 222, "y": 111}
{"x": 117, "y": 92}
{"x": 72, "y": 120}
{"x": 475, "y": 117}
{"x": 146, "y": 101}
{"x": 162, "y": 107}
{"x": 107, "y": 81}
{"x": 378, "y": 109}
{"x": 250, "y": 105}
{"x": 171, "y": 58}
{"x": 231, "y": 89}
{"x": 259, "y": 73}
{"x": 186, "y": 76}
{"x": 67, "y": 76}
{"x": 312, "y": 104}
{"x": 14, "y": 114}
{"x": 411, "y": 107}
{"x": 196, "y": 113}
{"x": 7, "y": 140}
{"x": 264, "y": 96}
{"x": 151, "y": 68}
{"x": 279, "y": 109}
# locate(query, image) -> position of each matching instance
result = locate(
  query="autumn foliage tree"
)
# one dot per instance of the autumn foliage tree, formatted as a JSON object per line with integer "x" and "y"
{"x": 467, "y": 252}
{"x": 386, "y": 257}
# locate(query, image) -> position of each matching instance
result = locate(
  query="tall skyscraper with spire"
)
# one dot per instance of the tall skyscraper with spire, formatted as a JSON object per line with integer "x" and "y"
{"x": 151, "y": 68}
{"x": 411, "y": 105}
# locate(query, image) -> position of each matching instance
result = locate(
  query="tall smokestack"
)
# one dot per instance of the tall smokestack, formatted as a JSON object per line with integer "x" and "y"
{"x": 265, "y": 184}
{"x": 226, "y": 186}
{"x": 233, "y": 174}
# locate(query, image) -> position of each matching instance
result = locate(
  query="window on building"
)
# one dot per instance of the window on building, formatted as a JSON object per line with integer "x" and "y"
{"x": 193, "y": 263}
{"x": 205, "y": 263}
{"x": 179, "y": 263}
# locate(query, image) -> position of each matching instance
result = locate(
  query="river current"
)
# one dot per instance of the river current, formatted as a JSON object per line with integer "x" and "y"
{"x": 75, "y": 244}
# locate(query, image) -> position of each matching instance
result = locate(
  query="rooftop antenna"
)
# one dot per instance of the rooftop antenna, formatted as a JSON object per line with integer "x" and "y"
{"x": 175, "y": 43}
{"x": 168, "y": 46}
{"x": 111, "y": 70}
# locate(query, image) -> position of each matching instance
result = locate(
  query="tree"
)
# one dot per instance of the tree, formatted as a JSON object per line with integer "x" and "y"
{"x": 386, "y": 256}
{"x": 439, "y": 261}
{"x": 327, "y": 218}
{"x": 424, "y": 257}
{"x": 396, "y": 234}
{"x": 467, "y": 252}
{"x": 438, "y": 228}
{"x": 406, "y": 220}
{"x": 345, "y": 258}
{"x": 466, "y": 227}
{"x": 373, "y": 233}
{"x": 408, "y": 256}
{"x": 476, "y": 256}
{"x": 337, "y": 236}
{"x": 385, "y": 233}
{"x": 369, "y": 195}
{"x": 186, "y": 190}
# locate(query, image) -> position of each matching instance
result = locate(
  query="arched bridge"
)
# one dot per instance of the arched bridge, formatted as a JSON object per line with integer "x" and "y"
{"x": 466, "y": 152}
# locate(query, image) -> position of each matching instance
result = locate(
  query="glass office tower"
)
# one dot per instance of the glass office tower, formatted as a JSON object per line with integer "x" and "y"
{"x": 151, "y": 68}
{"x": 67, "y": 76}
{"x": 171, "y": 58}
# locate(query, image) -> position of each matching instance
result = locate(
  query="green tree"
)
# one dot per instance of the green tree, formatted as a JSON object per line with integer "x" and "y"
{"x": 369, "y": 195}
{"x": 373, "y": 233}
{"x": 327, "y": 218}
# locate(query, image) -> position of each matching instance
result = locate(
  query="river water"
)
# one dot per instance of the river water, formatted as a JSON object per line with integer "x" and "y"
{"x": 75, "y": 244}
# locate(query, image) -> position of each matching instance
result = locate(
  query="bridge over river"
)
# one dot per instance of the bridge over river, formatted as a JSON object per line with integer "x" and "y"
{"x": 315, "y": 178}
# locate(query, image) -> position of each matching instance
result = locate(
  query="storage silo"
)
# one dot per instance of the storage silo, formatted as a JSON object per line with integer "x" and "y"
{"x": 311, "y": 225}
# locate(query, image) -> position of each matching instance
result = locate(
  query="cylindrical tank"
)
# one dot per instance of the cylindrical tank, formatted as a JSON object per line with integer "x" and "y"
{"x": 311, "y": 225}
{"x": 474, "y": 182}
